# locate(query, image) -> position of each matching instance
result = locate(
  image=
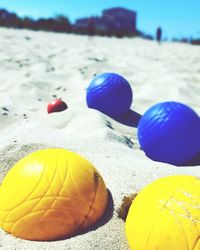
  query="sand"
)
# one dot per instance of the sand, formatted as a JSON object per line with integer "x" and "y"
{"x": 36, "y": 67}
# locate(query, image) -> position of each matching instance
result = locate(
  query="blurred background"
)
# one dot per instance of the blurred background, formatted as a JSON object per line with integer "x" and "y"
{"x": 172, "y": 20}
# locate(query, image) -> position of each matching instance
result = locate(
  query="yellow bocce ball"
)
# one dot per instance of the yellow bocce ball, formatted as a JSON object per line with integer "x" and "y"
{"x": 166, "y": 215}
{"x": 51, "y": 194}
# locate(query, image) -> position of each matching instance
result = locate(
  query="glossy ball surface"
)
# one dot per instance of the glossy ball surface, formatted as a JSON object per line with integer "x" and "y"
{"x": 170, "y": 132}
{"x": 57, "y": 105}
{"x": 165, "y": 215}
{"x": 51, "y": 194}
{"x": 109, "y": 93}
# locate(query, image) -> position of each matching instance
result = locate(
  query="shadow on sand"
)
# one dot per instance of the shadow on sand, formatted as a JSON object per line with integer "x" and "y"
{"x": 131, "y": 118}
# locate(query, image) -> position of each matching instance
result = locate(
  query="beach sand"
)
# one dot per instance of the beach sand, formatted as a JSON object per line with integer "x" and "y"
{"x": 37, "y": 67}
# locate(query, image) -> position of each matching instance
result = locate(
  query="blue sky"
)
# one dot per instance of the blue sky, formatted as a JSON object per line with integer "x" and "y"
{"x": 178, "y": 18}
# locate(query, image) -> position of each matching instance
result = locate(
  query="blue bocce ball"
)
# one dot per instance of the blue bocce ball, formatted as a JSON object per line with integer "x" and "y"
{"x": 170, "y": 132}
{"x": 109, "y": 93}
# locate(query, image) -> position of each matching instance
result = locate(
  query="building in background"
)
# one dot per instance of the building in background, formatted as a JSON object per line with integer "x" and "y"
{"x": 114, "y": 21}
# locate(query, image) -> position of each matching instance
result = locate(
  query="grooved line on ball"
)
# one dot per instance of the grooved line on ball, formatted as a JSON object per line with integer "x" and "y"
{"x": 48, "y": 187}
{"x": 45, "y": 211}
{"x": 164, "y": 205}
{"x": 60, "y": 178}
{"x": 24, "y": 200}
{"x": 180, "y": 223}
{"x": 91, "y": 206}
{"x": 147, "y": 125}
{"x": 50, "y": 196}
{"x": 42, "y": 210}
{"x": 184, "y": 206}
{"x": 196, "y": 241}
{"x": 63, "y": 197}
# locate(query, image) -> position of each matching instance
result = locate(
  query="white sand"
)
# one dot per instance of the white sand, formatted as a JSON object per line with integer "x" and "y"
{"x": 35, "y": 64}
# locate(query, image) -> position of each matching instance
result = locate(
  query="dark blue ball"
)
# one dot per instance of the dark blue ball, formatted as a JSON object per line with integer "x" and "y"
{"x": 170, "y": 132}
{"x": 109, "y": 93}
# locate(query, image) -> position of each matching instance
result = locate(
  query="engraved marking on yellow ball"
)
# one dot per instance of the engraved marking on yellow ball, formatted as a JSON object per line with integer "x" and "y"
{"x": 166, "y": 215}
{"x": 51, "y": 194}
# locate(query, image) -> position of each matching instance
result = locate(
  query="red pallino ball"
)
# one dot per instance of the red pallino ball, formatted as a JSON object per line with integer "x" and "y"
{"x": 56, "y": 106}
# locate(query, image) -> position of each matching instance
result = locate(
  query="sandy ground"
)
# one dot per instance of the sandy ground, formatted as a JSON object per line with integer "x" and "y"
{"x": 36, "y": 67}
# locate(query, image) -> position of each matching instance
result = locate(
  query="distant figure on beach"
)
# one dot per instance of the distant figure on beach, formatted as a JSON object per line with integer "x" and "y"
{"x": 91, "y": 28}
{"x": 159, "y": 34}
